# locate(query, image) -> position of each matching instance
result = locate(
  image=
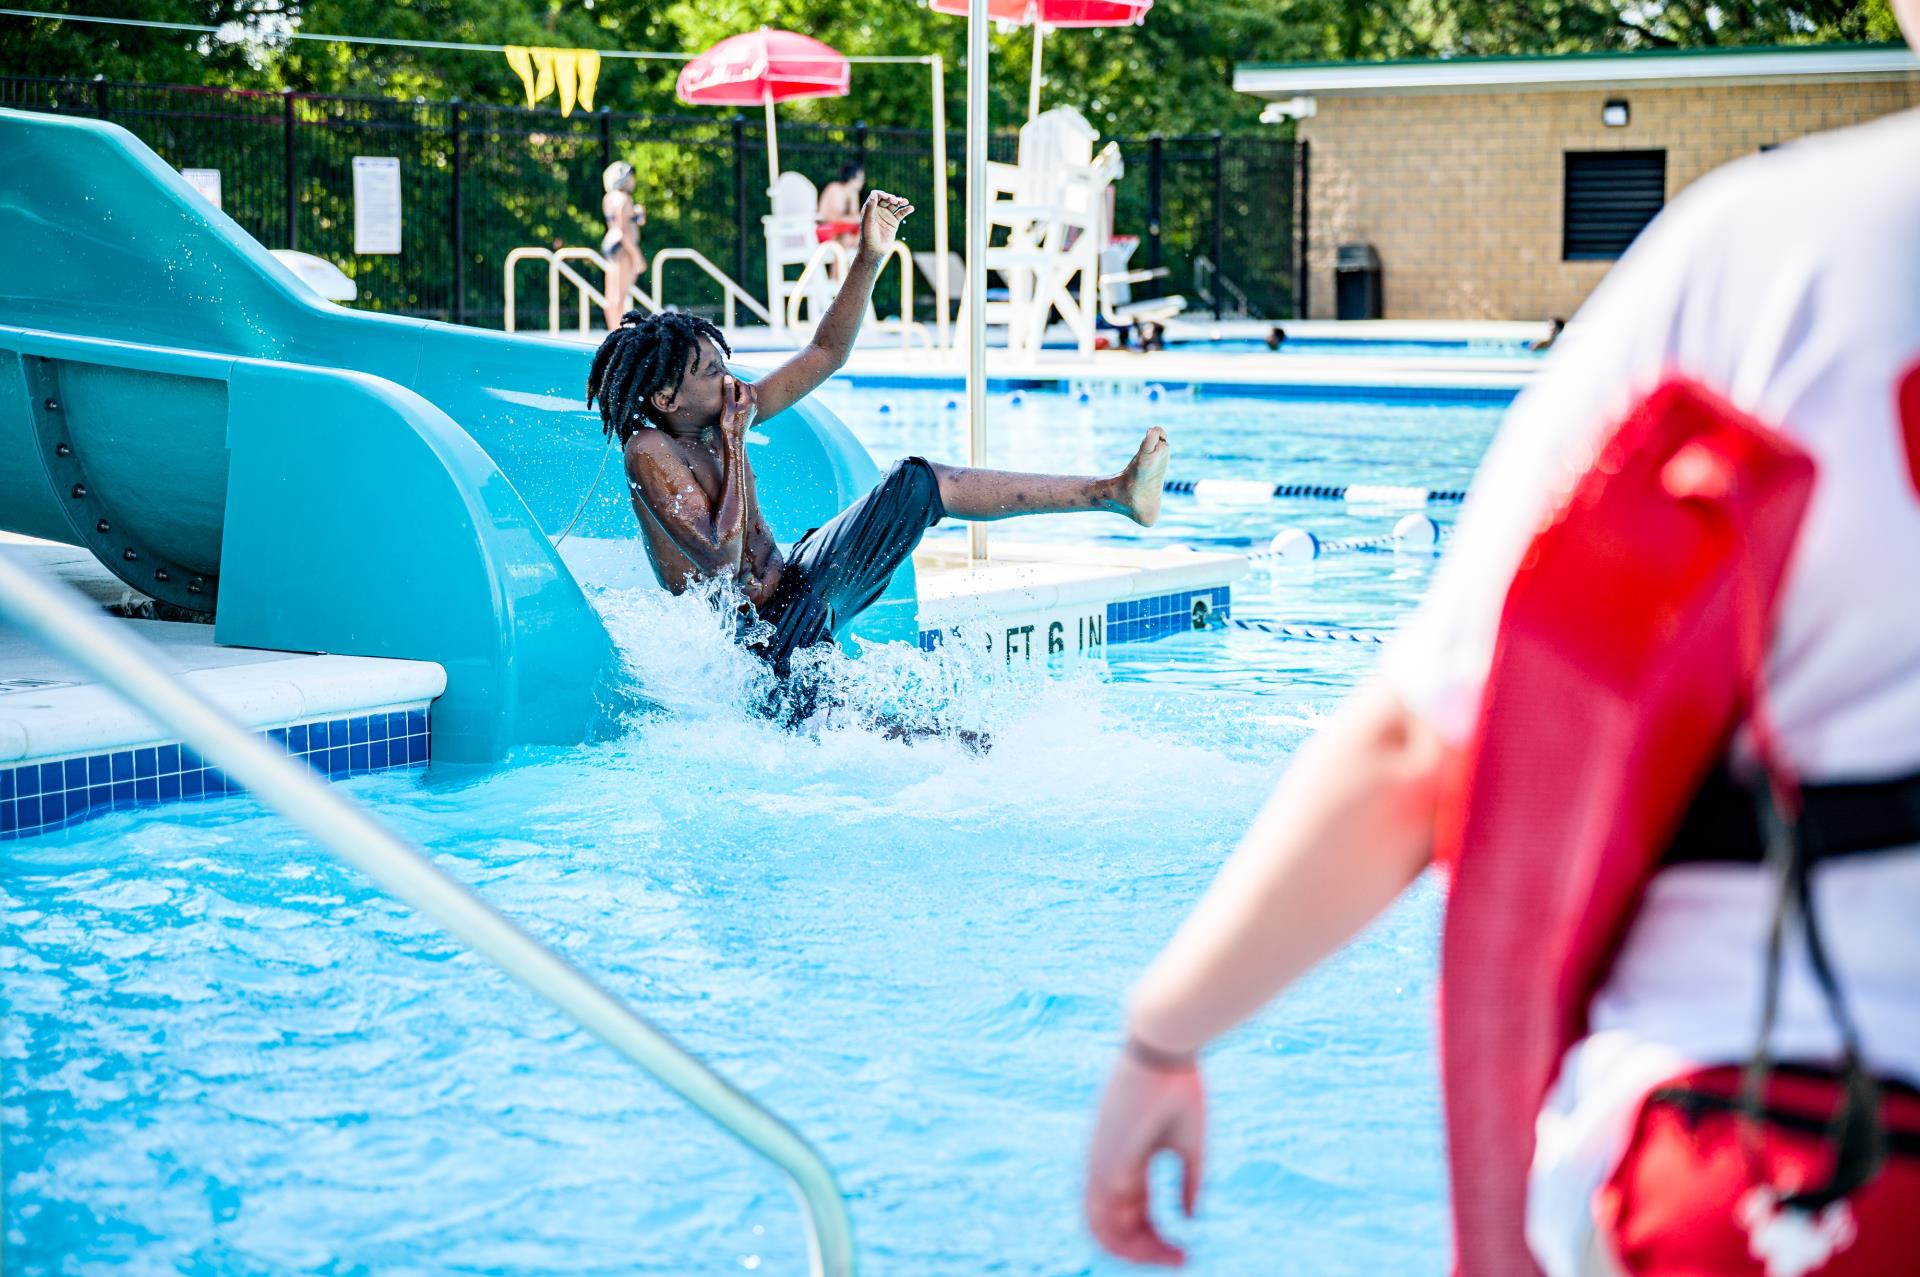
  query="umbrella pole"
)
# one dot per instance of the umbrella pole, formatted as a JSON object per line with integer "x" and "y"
{"x": 773, "y": 150}
{"x": 977, "y": 84}
{"x": 941, "y": 243}
{"x": 1033, "y": 79}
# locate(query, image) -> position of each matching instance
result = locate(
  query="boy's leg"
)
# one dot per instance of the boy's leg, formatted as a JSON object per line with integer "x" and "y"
{"x": 981, "y": 495}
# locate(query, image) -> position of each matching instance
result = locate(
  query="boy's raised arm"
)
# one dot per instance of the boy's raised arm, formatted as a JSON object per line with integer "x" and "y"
{"x": 833, "y": 340}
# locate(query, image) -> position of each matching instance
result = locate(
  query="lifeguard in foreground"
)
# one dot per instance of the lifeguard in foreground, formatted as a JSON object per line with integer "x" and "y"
{"x": 1659, "y": 721}
{"x": 664, "y": 391}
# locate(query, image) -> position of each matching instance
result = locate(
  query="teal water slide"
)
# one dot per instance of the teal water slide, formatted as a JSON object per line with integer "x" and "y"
{"x": 321, "y": 479}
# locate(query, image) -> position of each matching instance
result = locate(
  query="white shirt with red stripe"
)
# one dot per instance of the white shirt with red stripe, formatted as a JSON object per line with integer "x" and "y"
{"x": 1789, "y": 282}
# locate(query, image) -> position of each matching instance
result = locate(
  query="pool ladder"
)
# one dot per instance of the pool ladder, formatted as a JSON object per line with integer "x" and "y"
{"x": 53, "y": 615}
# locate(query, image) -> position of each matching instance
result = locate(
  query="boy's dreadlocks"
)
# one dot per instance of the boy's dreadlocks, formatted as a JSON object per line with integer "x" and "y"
{"x": 644, "y": 355}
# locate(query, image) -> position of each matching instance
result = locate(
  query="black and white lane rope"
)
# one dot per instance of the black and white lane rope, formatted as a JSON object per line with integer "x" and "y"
{"x": 1352, "y": 493}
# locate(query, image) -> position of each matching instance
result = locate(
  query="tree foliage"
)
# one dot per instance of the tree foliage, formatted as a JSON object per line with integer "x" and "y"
{"x": 1173, "y": 73}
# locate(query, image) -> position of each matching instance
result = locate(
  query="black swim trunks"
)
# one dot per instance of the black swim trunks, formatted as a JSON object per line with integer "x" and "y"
{"x": 836, "y": 571}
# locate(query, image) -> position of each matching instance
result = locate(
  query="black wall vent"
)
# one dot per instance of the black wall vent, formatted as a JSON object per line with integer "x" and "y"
{"x": 1611, "y": 196}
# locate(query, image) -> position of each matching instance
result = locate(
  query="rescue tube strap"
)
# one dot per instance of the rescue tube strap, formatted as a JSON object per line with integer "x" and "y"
{"x": 1723, "y": 823}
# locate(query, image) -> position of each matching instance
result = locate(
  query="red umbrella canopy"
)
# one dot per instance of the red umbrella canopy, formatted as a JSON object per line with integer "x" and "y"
{"x": 763, "y": 66}
{"x": 1057, "y": 13}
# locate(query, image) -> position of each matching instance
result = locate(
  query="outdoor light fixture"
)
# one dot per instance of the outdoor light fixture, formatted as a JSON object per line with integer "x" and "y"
{"x": 1292, "y": 109}
{"x": 1614, "y": 114}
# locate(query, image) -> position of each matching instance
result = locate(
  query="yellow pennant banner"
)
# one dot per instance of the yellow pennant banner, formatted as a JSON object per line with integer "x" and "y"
{"x": 572, "y": 73}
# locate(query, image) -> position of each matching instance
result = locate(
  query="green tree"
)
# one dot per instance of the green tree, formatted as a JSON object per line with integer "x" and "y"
{"x": 1173, "y": 73}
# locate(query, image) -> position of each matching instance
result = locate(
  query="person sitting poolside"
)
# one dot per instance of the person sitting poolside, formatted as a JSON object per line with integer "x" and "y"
{"x": 664, "y": 391}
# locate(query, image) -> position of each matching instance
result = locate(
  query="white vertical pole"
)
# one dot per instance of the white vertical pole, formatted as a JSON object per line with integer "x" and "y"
{"x": 773, "y": 150}
{"x": 1033, "y": 78}
{"x": 941, "y": 243}
{"x": 977, "y": 85}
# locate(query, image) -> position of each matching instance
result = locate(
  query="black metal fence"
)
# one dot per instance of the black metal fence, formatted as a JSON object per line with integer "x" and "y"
{"x": 479, "y": 181}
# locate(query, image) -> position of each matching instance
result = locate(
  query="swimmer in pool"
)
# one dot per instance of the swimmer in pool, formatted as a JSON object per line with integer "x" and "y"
{"x": 664, "y": 391}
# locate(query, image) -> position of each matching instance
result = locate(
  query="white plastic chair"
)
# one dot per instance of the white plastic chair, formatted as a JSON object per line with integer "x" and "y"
{"x": 792, "y": 242}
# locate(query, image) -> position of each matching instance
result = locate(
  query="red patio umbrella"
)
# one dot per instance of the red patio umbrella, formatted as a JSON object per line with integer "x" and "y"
{"x": 764, "y": 67}
{"x": 1053, "y": 13}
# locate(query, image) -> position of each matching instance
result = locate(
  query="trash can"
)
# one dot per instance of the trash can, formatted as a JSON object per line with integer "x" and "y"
{"x": 1357, "y": 290}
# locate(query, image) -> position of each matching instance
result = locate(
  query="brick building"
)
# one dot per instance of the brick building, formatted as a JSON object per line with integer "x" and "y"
{"x": 1502, "y": 188}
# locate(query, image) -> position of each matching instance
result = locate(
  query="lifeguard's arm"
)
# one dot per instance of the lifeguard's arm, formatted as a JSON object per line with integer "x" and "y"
{"x": 664, "y": 486}
{"x": 1346, "y": 830}
{"x": 833, "y": 339}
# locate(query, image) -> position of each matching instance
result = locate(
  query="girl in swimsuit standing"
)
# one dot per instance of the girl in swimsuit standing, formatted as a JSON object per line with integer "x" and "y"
{"x": 621, "y": 244}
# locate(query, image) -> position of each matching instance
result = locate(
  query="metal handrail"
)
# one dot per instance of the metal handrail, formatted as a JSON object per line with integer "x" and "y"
{"x": 54, "y": 617}
{"x": 729, "y": 287}
{"x": 557, "y": 267}
{"x": 908, "y": 326}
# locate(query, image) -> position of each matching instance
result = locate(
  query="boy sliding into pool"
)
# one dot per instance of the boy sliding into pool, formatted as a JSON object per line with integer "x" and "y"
{"x": 664, "y": 391}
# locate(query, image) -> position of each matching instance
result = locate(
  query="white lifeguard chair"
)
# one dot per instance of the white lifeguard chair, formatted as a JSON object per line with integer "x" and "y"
{"x": 1046, "y": 220}
{"x": 792, "y": 242}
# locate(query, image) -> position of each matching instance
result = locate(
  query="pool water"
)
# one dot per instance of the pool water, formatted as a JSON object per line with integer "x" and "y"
{"x": 224, "y": 1053}
{"x": 1376, "y": 348}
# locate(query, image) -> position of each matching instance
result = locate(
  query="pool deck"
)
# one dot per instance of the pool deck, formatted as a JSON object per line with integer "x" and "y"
{"x": 1032, "y": 601}
{"x": 70, "y": 748}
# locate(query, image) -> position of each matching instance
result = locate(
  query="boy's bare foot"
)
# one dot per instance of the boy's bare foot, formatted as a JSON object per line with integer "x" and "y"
{"x": 1140, "y": 483}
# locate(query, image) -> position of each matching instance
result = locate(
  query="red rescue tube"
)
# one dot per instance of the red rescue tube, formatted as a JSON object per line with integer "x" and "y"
{"x": 1627, "y": 649}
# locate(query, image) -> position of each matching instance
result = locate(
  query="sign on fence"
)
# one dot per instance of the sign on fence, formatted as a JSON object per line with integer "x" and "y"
{"x": 376, "y": 204}
{"x": 206, "y": 181}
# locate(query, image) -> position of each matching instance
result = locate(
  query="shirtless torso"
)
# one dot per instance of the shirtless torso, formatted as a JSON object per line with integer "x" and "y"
{"x": 659, "y": 466}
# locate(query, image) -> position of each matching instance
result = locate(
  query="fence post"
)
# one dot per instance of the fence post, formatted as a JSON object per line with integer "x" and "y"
{"x": 1219, "y": 222}
{"x": 1302, "y": 219}
{"x": 860, "y": 146}
{"x": 740, "y": 197}
{"x": 293, "y": 194}
{"x": 1155, "y": 171}
{"x": 100, "y": 96}
{"x": 606, "y": 137}
{"x": 456, "y": 118}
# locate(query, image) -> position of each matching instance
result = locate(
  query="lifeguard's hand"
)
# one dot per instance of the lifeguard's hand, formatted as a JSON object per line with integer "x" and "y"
{"x": 1144, "y": 1110}
{"x": 880, "y": 221}
{"x": 738, "y": 405}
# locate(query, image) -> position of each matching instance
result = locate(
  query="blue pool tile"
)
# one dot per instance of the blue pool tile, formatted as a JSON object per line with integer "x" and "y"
{"x": 357, "y": 758}
{"x": 146, "y": 762}
{"x": 170, "y": 787}
{"x": 190, "y": 760}
{"x": 216, "y": 781}
{"x": 416, "y": 722}
{"x": 146, "y": 789}
{"x": 169, "y": 759}
{"x": 377, "y": 754}
{"x": 28, "y": 810}
{"x": 123, "y": 795}
{"x": 336, "y": 759}
{"x": 357, "y": 731}
{"x": 193, "y": 784}
{"x": 417, "y": 748}
{"x": 278, "y": 736}
{"x": 53, "y": 778}
{"x": 7, "y": 816}
{"x": 297, "y": 738}
{"x": 121, "y": 766}
{"x": 396, "y": 724}
{"x": 27, "y": 781}
{"x": 99, "y": 798}
{"x": 53, "y": 809}
{"x": 316, "y": 735}
{"x": 6, "y": 785}
{"x": 76, "y": 773}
